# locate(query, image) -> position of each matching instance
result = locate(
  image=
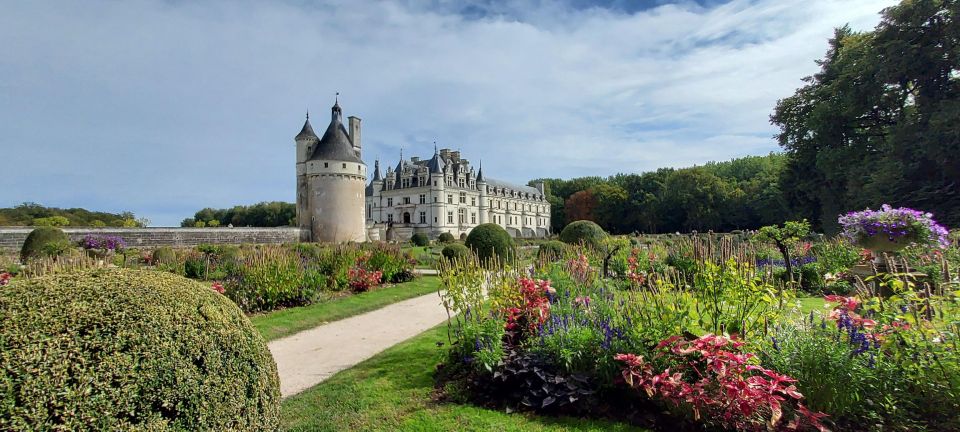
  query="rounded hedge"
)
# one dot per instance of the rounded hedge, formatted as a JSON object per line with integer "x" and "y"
{"x": 446, "y": 238}
{"x": 164, "y": 255}
{"x": 420, "y": 239}
{"x": 120, "y": 349}
{"x": 455, "y": 251}
{"x": 490, "y": 240}
{"x": 39, "y": 239}
{"x": 551, "y": 250}
{"x": 582, "y": 231}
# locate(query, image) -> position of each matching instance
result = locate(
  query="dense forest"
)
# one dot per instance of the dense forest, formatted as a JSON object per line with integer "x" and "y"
{"x": 33, "y": 214}
{"x": 265, "y": 214}
{"x": 879, "y": 123}
{"x": 720, "y": 196}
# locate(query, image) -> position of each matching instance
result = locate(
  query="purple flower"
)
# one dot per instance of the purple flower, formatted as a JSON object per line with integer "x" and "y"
{"x": 895, "y": 224}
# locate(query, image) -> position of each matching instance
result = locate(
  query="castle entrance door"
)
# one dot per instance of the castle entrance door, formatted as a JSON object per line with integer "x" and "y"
{"x": 406, "y": 217}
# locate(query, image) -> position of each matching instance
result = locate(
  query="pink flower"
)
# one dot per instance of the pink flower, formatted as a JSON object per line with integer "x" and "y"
{"x": 5, "y": 278}
{"x": 218, "y": 287}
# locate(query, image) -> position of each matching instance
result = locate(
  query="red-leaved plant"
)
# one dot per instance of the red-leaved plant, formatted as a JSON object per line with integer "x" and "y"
{"x": 535, "y": 308}
{"x": 5, "y": 278}
{"x": 360, "y": 278}
{"x": 714, "y": 379}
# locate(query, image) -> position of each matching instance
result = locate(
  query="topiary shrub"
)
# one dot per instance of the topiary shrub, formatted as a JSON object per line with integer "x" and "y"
{"x": 490, "y": 241}
{"x": 582, "y": 231}
{"x": 455, "y": 251}
{"x": 551, "y": 250}
{"x": 420, "y": 239}
{"x": 43, "y": 241}
{"x": 120, "y": 349}
{"x": 164, "y": 255}
{"x": 446, "y": 238}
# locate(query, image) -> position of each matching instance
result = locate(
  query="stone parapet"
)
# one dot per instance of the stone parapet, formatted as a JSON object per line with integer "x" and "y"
{"x": 11, "y": 238}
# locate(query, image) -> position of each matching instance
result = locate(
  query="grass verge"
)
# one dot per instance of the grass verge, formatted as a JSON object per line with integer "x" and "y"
{"x": 392, "y": 391}
{"x": 285, "y": 322}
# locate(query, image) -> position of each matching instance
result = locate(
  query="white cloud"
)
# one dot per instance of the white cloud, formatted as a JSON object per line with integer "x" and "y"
{"x": 152, "y": 106}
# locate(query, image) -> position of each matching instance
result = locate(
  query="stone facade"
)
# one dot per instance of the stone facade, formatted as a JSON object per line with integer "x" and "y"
{"x": 446, "y": 194}
{"x": 12, "y": 238}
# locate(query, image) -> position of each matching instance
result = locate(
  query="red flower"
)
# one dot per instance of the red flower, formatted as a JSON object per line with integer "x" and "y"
{"x": 5, "y": 278}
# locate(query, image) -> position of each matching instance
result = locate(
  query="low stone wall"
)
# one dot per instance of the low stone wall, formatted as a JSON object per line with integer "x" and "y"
{"x": 12, "y": 238}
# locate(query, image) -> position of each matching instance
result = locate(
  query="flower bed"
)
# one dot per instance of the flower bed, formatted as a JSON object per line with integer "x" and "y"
{"x": 711, "y": 346}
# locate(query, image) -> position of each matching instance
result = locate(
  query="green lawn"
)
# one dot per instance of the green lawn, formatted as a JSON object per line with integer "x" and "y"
{"x": 392, "y": 391}
{"x": 277, "y": 324}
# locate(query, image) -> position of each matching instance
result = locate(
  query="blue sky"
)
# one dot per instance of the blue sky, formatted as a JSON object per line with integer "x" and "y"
{"x": 162, "y": 108}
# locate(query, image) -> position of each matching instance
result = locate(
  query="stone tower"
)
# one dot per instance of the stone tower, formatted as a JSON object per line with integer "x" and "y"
{"x": 331, "y": 179}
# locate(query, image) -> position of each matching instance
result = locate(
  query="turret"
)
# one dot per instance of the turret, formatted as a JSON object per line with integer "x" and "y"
{"x": 355, "y": 133}
{"x": 331, "y": 181}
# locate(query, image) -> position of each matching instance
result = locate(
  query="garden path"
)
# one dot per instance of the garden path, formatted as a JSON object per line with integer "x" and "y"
{"x": 311, "y": 356}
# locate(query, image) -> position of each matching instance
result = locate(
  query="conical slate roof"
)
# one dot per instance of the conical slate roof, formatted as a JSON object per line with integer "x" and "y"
{"x": 335, "y": 143}
{"x": 376, "y": 171}
{"x": 307, "y": 131}
{"x": 436, "y": 163}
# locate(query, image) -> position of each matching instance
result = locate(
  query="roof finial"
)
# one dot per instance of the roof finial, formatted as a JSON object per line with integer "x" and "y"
{"x": 308, "y": 114}
{"x": 401, "y": 153}
{"x": 336, "y": 99}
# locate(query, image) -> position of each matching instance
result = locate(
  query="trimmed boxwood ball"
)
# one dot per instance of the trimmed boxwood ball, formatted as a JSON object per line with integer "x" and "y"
{"x": 455, "y": 251}
{"x": 120, "y": 349}
{"x": 420, "y": 239}
{"x": 551, "y": 250}
{"x": 40, "y": 237}
{"x": 446, "y": 238}
{"x": 490, "y": 240}
{"x": 582, "y": 231}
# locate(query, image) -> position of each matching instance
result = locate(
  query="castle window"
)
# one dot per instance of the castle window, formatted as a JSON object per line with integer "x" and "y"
{"x": 423, "y": 199}
{"x": 449, "y": 199}
{"x": 473, "y": 218}
{"x": 358, "y": 168}
{"x": 473, "y": 201}
{"x": 449, "y": 217}
{"x": 462, "y": 214}
{"x": 434, "y": 199}
{"x": 423, "y": 217}
{"x": 390, "y": 218}
{"x": 344, "y": 165}
{"x": 434, "y": 219}
{"x": 406, "y": 200}
{"x": 463, "y": 197}
{"x": 389, "y": 202}
{"x": 326, "y": 165}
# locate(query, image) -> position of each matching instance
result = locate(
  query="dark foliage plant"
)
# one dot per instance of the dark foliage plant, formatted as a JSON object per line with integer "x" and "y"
{"x": 455, "y": 251}
{"x": 552, "y": 250}
{"x": 446, "y": 238}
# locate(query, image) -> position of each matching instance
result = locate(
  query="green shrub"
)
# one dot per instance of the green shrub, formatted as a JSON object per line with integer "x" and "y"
{"x": 195, "y": 266}
{"x": 582, "y": 231}
{"x": 490, "y": 241}
{"x": 551, "y": 250}
{"x": 420, "y": 239}
{"x": 446, "y": 238}
{"x": 455, "y": 251}
{"x": 164, "y": 255}
{"x": 119, "y": 349}
{"x": 43, "y": 241}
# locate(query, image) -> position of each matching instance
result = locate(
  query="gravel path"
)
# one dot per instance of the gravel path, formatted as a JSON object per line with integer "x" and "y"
{"x": 311, "y": 356}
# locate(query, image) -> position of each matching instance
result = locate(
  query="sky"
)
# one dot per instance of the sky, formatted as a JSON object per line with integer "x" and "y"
{"x": 165, "y": 107}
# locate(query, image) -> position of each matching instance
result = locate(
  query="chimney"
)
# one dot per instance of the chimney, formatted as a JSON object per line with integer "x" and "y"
{"x": 355, "y": 133}
{"x": 415, "y": 159}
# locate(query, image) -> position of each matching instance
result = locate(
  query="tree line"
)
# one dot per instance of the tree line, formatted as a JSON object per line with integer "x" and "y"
{"x": 879, "y": 123}
{"x": 33, "y": 214}
{"x": 264, "y": 214}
